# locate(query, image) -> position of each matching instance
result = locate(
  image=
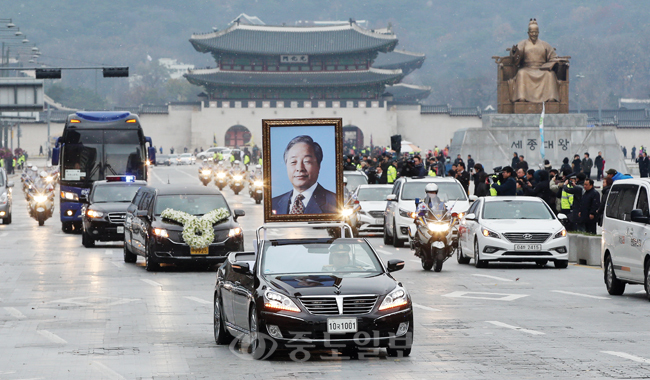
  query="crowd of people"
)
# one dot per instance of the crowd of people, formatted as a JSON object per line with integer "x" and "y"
{"x": 12, "y": 161}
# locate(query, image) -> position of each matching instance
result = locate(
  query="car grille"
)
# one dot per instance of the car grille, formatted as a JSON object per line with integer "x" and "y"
{"x": 117, "y": 217}
{"x": 525, "y": 237}
{"x": 177, "y": 236}
{"x": 376, "y": 214}
{"x": 328, "y": 305}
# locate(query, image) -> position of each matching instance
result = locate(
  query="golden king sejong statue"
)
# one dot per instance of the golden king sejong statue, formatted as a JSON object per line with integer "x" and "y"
{"x": 531, "y": 75}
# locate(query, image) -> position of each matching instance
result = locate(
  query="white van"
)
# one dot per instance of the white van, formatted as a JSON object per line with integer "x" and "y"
{"x": 625, "y": 252}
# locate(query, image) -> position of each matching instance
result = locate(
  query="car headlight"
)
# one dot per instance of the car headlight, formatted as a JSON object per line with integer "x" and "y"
{"x": 347, "y": 212}
{"x": 396, "y": 298}
{"x": 438, "y": 227}
{"x": 560, "y": 234}
{"x": 407, "y": 214}
{"x": 94, "y": 214}
{"x": 160, "y": 232}
{"x": 488, "y": 233}
{"x": 237, "y": 178}
{"x": 234, "y": 232}
{"x": 205, "y": 172}
{"x": 40, "y": 198}
{"x": 276, "y": 301}
{"x": 221, "y": 175}
{"x": 69, "y": 196}
{"x": 258, "y": 183}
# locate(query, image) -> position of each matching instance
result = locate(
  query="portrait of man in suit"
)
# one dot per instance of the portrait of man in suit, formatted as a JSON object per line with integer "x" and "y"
{"x": 302, "y": 158}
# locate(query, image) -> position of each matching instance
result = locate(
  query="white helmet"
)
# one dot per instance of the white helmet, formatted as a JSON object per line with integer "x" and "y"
{"x": 34, "y": 168}
{"x": 431, "y": 188}
{"x": 205, "y": 160}
{"x": 43, "y": 174}
{"x": 236, "y": 162}
{"x": 258, "y": 166}
{"x": 345, "y": 179}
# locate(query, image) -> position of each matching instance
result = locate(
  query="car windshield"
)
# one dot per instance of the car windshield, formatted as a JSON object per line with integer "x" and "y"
{"x": 114, "y": 193}
{"x": 340, "y": 256}
{"x": 369, "y": 194}
{"x": 355, "y": 180}
{"x": 186, "y": 155}
{"x": 447, "y": 191}
{"x": 513, "y": 209}
{"x": 194, "y": 204}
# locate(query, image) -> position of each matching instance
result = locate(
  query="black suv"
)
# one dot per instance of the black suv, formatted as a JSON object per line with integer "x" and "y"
{"x": 160, "y": 240}
{"x": 103, "y": 216}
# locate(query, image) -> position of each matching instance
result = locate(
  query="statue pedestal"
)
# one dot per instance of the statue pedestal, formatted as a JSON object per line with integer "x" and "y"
{"x": 531, "y": 120}
{"x": 527, "y": 108}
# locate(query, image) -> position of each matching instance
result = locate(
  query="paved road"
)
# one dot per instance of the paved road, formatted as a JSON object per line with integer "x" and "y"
{"x": 71, "y": 312}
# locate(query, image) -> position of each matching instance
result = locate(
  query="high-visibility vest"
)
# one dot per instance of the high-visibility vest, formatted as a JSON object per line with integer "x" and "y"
{"x": 567, "y": 199}
{"x": 493, "y": 191}
{"x": 247, "y": 159}
{"x": 432, "y": 173}
{"x": 358, "y": 166}
{"x": 392, "y": 174}
{"x": 232, "y": 158}
{"x": 260, "y": 161}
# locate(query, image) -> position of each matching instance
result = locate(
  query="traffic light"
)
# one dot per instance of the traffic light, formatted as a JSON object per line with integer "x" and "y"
{"x": 115, "y": 72}
{"x": 396, "y": 143}
{"x": 48, "y": 73}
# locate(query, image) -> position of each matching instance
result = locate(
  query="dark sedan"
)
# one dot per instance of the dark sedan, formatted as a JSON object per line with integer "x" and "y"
{"x": 331, "y": 293}
{"x": 103, "y": 217}
{"x": 161, "y": 240}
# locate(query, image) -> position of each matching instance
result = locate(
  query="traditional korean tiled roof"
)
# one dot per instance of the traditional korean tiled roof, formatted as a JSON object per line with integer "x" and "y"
{"x": 218, "y": 77}
{"x": 274, "y": 40}
{"x": 403, "y": 92}
{"x": 399, "y": 59}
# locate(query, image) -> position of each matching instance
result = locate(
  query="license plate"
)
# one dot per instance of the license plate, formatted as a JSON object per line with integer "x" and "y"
{"x": 199, "y": 251}
{"x": 528, "y": 247}
{"x": 120, "y": 229}
{"x": 341, "y": 325}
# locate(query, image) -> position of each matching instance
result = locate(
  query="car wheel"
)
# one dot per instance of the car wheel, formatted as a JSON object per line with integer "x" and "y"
{"x": 646, "y": 283}
{"x": 397, "y": 243}
{"x": 129, "y": 257}
{"x": 460, "y": 257}
{"x": 387, "y": 239}
{"x": 221, "y": 336}
{"x": 477, "y": 261}
{"x": 561, "y": 264}
{"x": 66, "y": 227}
{"x": 394, "y": 352}
{"x": 150, "y": 264}
{"x": 7, "y": 219}
{"x": 87, "y": 241}
{"x": 615, "y": 287}
{"x": 259, "y": 345}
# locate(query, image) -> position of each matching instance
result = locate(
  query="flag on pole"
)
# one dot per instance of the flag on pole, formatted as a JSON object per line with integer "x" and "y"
{"x": 541, "y": 131}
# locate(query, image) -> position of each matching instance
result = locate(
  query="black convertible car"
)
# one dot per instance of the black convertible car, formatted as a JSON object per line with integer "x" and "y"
{"x": 318, "y": 292}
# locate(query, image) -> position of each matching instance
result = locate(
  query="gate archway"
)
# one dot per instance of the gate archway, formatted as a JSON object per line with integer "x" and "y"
{"x": 237, "y": 135}
{"x": 352, "y": 136}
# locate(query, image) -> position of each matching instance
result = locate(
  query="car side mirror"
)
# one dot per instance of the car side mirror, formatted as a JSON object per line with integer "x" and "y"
{"x": 562, "y": 217}
{"x": 638, "y": 217}
{"x": 239, "y": 213}
{"x": 10, "y": 183}
{"x": 141, "y": 213}
{"x": 473, "y": 198}
{"x": 470, "y": 217}
{"x": 241, "y": 267}
{"x": 395, "y": 265}
{"x": 391, "y": 197}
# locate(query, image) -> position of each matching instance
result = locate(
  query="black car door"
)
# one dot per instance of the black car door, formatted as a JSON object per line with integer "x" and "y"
{"x": 227, "y": 284}
{"x": 145, "y": 220}
{"x": 130, "y": 219}
{"x": 242, "y": 294}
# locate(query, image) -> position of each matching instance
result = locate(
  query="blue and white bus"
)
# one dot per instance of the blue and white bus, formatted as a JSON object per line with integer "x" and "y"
{"x": 95, "y": 145}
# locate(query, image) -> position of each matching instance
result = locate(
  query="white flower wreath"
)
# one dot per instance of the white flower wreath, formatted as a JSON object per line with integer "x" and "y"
{"x": 197, "y": 232}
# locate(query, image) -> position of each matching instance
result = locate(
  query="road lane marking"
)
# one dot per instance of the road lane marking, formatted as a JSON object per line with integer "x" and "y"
{"x": 492, "y": 277}
{"x": 107, "y": 372}
{"x": 156, "y": 175}
{"x": 580, "y": 295}
{"x": 14, "y": 312}
{"x": 425, "y": 307}
{"x": 485, "y": 296}
{"x": 52, "y": 337}
{"x": 188, "y": 174}
{"x": 627, "y": 356}
{"x": 108, "y": 252}
{"x": 385, "y": 252}
{"x": 196, "y": 299}
{"x": 501, "y": 324}
{"x": 118, "y": 264}
{"x": 151, "y": 282}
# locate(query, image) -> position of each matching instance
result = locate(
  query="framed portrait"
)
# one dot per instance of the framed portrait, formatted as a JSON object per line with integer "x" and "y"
{"x": 303, "y": 169}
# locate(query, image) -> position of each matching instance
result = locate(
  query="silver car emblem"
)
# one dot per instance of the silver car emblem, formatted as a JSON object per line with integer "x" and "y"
{"x": 528, "y": 236}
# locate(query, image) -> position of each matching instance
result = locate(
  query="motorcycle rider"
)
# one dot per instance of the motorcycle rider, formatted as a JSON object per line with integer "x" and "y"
{"x": 432, "y": 203}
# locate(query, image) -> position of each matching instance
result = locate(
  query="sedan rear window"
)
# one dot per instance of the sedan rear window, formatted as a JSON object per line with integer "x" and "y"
{"x": 447, "y": 191}
{"x": 373, "y": 194}
{"x": 511, "y": 209}
{"x": 341, "y": 256}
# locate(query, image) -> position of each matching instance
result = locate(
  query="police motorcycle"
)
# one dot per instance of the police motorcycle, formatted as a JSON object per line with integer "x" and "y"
{"x": 205, "y": 173}
{"x": 237, "y": 178}
{"x": 221, "y": 176}
{"x": 431, "y": 235}
{"x": 30, "y": 177}
{"x": 40, "y": 202}
{"x": 256, "y": 185}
